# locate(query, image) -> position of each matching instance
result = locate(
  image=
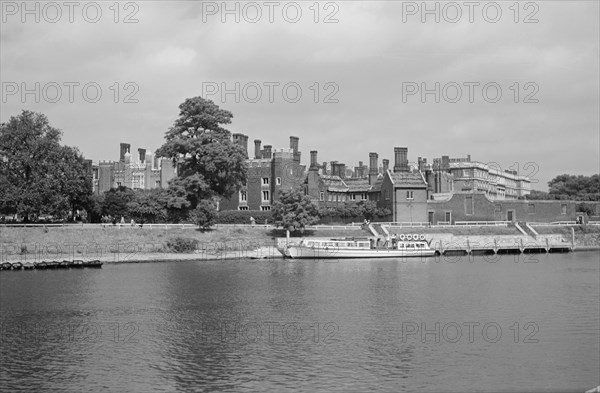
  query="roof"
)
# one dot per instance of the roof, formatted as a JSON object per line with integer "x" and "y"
{"x": 407, "y": 179}
{"x": 337, "y": 184}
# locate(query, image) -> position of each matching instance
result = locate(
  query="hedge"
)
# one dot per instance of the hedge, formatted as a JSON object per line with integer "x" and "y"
{"x": 243, "y": 216}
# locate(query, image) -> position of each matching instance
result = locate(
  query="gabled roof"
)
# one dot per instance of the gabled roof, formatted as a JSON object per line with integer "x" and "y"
{"x": 407, "y": 179}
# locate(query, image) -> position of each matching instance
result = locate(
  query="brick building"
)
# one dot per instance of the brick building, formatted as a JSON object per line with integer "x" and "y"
{"x": 269, "y": 172}
{"x": 144, "y": 172}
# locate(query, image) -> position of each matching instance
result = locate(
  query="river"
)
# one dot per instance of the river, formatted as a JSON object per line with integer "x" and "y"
{"x": 446, "y": 324}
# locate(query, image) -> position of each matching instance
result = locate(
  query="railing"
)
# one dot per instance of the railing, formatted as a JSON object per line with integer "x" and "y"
{"x": 556, "y": 223}
{"x": 482, "y": 223}
{"x": 404, "y": 224}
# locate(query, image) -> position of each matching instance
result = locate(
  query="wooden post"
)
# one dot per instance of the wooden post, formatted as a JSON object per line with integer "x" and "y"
{"x": 287, "y": 237}
{"x": 572, "y": 238}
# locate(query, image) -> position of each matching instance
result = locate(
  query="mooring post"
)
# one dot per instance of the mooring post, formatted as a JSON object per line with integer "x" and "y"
{"x": 572, "y": 238}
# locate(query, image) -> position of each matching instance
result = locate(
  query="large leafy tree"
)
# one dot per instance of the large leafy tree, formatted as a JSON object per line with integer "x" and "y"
{"x": 149, "y": 206}
{"x": 208, "y": 163}
{"x": 38, "y": 174}
{"x": 116, "y": 202}
{"x": 583, "y": 188}
{"x": 294, "y": 211}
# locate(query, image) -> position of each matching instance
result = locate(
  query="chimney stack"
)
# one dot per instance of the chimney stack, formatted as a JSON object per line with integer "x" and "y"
{"x": 267, "y": 153}
{"x": 400, "y": 159}
{"x": 257, "y": 153}
{"x": 294, "y": 143}
{"x": 313, "y": 161}
{"x": 124, "y": 149}
{"x": 386, "y": 165}
{"x": 324, "y": 168}
{"x": 142, "y": 155}
{"x": 242, "y": 140}
{"x": 445, "y": 163}
{"x": 341, "y": 170}
{"x": 373, "y": 168}
{"x": 333, "y": 167}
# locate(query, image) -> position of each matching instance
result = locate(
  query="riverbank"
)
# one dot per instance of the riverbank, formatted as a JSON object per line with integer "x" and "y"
{"x": 137, "y": 245}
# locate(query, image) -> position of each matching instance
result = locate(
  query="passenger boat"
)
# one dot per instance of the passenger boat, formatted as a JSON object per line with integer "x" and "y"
{"x": 356, "y": 248}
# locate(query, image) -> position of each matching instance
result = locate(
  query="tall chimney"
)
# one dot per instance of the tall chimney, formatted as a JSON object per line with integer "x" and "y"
{"x": 404, "y": 159}
{"x": 445, "y": 163}
{"x": 341, "y": 170}
{"x": 142, "y": 155}
{"x": 373, "y": 168}
{"x": 124, "y": 149}
{"x": 241, "y": 140}
{"x": 257, "y": 153}
{"x": 333, "y": 167}
{"x": 386, "y": 165}
{"x": 294, "y": 143}
{"x": 324, "y": 168}
{"x": 313, "y": 161}
{"x": 267, "y": 153}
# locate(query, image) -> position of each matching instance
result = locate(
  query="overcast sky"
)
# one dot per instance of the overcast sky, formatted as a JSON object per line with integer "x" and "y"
{"x": 363, "y": 69}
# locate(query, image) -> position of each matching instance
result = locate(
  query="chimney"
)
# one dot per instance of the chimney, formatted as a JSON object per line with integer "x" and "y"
{"x": 373, "y": 167}
{"x": 341, "y": 170}
{"x": 267, "y": 152}
{"x": 142, "y": 155}
{"x": 124, "y": 149}
{"x": 241, "y": 140}
{"x": 468, "y": 157}
{"x": 333, "y": 167}
{"x": 294, "y": 143}
{"x": 404, "y": 159}
{"x": 257, "y": 153}
{"x": 386, "y": 165}
{"x": 445, "y": 163}
{"x": 324, "y": 168}
{"x": 313, "y": 161}
{"x": 400, "y": 159}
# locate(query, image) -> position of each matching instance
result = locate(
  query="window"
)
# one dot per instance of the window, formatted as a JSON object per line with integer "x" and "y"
{"x": 265, "y": 196}
{"x": 243, "y": 196}
{"x": 321, "y": 196}
{"x": 469, "y": 205}
{"x": 278, "y": 180}
{"x": 448, "y": 217}
{"x": 363, "y": 196}
{"x": 243, "y": 207}
{"x": 563, "y": 208}
{"x": 352, "y": 197}
{"x": 330, "y": 198}
{"x": 118, "y": 184}
{"x": 265, "y": 181}
{"x": 157, "y": 184}
{"x": 409, "y": 195}
{"x": 531, "y": 208}
{"x": 265, "y": 208}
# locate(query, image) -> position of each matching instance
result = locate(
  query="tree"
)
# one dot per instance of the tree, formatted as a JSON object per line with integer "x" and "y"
{"x": 209, "y": 164}
{"x": 582, "y": 188}
{"x": 204, "y": 214}
{"x": 149, "y": 206}
{"x": 294, "y": 211}
{"x": 116, "y": 202}
{"x": 38, "y": 175}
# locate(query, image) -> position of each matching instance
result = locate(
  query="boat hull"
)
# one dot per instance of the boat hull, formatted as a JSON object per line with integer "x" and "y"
{"x": 299, "y": 252}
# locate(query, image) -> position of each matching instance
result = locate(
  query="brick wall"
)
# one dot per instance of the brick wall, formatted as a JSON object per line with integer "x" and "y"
{"x": 477, "y": 207}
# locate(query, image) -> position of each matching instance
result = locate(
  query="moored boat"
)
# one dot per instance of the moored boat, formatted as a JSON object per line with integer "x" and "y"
{"x": 92, "y": 263}
{"x": 313, "y": 248}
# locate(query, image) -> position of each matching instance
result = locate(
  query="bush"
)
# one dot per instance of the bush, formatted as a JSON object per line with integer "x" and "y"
{"x": 243, "y": 217}
{"x": 182, "y": 244}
